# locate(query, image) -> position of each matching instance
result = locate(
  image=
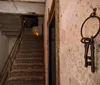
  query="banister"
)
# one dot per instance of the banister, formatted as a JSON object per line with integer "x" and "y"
{"x": 11, "y": 57}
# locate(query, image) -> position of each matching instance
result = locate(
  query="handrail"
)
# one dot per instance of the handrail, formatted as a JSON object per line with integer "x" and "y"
{"x": 11, "y": 57}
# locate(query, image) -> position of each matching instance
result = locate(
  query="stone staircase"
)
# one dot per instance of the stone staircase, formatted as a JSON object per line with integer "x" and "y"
{"x": 28, "y": 67}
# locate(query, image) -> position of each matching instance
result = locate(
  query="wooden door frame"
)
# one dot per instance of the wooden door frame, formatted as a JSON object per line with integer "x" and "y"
{"x": 55, "y": 12}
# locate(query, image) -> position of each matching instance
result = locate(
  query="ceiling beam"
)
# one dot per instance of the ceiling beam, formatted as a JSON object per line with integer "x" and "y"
{"x": 23, "y": 8}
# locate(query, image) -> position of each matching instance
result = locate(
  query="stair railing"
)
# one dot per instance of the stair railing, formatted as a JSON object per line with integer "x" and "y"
{"x": 8, "y": 64}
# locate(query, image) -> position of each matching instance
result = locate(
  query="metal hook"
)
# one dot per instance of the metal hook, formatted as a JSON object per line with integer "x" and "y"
{"x": 94, "y": 12}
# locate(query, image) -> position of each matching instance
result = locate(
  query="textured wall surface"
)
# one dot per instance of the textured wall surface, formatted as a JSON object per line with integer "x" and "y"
{"x": 11, "y": 43}
{"x": 3, "y": 50}
{"x": 46, "y": 41}
{"x": 72, "y": 15}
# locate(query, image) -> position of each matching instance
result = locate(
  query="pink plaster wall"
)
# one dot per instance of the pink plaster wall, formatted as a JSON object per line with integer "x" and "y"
{"x": 72, "y": 70}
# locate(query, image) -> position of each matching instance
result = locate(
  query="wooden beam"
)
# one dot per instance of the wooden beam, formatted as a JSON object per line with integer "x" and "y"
{"x": 22, "y": 8}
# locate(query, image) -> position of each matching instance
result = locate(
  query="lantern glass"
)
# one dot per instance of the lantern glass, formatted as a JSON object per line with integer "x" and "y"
{"x": 35, "y": 31}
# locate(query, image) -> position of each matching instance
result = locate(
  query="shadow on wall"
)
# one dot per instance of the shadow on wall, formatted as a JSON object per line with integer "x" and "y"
{"x": 3, "y": 50}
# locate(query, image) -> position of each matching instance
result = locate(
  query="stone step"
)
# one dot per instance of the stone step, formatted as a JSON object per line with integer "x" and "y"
{"x": 33, "y": 46}
{"x": 30, "y": 50}
{"x": 20, "y": 66}
{"x": 30, "y": 54}
{"x": 33, "y": 37}
{"x": 29, "y": 72}
{"x": 32, "y": 43}
{"x": 29, "y": 61}
{"x": 28, "y": 64}
{"x": 35, "y": 58}
{"x": 26, "y": 82}
{"x": 26, "y": 78}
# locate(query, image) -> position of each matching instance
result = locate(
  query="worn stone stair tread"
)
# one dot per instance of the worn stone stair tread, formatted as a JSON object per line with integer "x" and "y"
{"x": 28, "y": 64}
{"x": 28, "y": 70}
{"x": 31, "y": 42}
{"x": 36, "y": 53}
{"x": 29, "y": 81}
{"x": 26, "y": 84}
{"x": 26, "y": 78}
{"x": 26, "y": 56}
{"x": 35, "y": 46}
{"x": 33, "y": 49}
{"x": 33, "y": 58}
{"x": 29, "y": 50}
{"x": 30, "y": 47}
{"x": 25, "y": 71}
{"x": 28, "y": 59}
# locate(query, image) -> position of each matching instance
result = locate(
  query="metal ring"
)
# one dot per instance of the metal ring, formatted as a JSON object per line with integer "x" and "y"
{"x": 87, "y": 20}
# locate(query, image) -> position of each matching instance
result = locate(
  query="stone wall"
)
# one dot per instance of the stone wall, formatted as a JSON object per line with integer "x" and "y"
{"x": 72, "y": 14}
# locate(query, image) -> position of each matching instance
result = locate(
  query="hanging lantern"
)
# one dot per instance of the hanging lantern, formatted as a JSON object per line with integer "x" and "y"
{"x": 35, "y": 31}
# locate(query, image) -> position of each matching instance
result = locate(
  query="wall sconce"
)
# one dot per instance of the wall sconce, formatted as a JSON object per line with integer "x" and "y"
{"x": 89, "y": 43}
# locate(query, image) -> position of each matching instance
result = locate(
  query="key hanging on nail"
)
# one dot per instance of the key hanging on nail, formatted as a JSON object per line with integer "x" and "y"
{"x": 89, "y": 43}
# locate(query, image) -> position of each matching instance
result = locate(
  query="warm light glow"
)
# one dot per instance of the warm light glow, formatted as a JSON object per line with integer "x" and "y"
{"x": 36, "y": 33}
{"x": 35, "y": 30}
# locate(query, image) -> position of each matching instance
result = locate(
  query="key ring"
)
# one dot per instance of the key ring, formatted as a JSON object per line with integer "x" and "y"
{"x": 93, "y": 15}
{"x": 89, "y": 43}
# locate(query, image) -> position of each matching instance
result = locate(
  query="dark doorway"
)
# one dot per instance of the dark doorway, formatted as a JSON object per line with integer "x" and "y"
{"x": 30, "y": 21}
{"x": 52, "y": 53}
